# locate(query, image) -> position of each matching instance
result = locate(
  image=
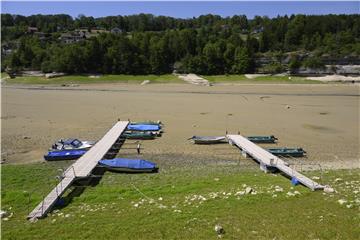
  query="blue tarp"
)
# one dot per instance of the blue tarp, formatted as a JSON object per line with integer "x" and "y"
{"x": 143, "y": 127}
{"x": 64, "y": 154}
{"x": 137, "y": 164}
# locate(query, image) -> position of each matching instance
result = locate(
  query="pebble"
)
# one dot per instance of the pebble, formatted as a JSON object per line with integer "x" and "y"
{"x": 328, "y": 189}
{"x": 248, "y": 190}
{"x": 342, "y": 201}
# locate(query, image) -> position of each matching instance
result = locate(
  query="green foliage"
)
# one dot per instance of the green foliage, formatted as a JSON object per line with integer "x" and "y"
{"x": 313, "y": 62}
{"x": 148, "y": 44}
{"x": 273, "y": 68}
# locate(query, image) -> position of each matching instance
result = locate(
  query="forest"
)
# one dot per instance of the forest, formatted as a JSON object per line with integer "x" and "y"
{"x": 148, "y": 44}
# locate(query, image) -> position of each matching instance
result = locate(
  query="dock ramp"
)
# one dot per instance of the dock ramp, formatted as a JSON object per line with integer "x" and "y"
{"x": 268, "y": 160}
{"x": 82, "y": 168}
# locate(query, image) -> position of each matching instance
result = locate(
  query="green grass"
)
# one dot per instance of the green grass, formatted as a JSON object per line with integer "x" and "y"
{"x": 83, "y": 79}
{"x": 261, "y": 79}
{"x": 108, "y": 211}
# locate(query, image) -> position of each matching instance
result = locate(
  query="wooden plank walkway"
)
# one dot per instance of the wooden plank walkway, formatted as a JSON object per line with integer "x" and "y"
{"x": 267, "y": 159}
{"x": 80, "y": 169}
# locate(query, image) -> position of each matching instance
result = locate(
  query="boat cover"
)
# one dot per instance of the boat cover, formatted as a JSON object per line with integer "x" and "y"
{"x": 128, "y": 163}
{"x": 66, "y": 153}
{"x": 143, "y": 127}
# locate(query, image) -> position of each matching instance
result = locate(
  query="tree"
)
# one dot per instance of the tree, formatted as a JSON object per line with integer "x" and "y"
{"x": 241, "y": 61}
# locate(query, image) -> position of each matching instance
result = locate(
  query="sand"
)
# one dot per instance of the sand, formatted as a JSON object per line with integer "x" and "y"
{"x": 323, "y": 119}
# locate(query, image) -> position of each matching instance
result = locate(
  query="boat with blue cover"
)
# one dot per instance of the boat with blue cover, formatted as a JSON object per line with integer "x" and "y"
{"x": 129, "y": 165}
{"x": 64, "y": 155}
{"x": 144, "y": 127}
{"x": 291, "y": 152}
{"x": 262, "y": 139}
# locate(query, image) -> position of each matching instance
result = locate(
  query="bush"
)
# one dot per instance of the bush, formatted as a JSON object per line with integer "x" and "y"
{"x": 314, "y": 63}
{"x": 274, "y": 68}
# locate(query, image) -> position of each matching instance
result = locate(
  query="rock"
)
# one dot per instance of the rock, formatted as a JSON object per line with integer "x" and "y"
{"x": 315, "y": 177}
{"x": 5, "y": 219}
{"x": 3, "y": 214}
{"x": 160, "y": 198}
{"x": 287, "y": 107}
{"x": 219, "y": 230}
{"x": 328, "y": 189}
{"x": 145, "y": 82}
{"x": 26, "y": 137}
{"x": 349, "y": 206}
{"x": 67, "y": 215}
{"x": 338, "y": 180}
{"x": 290, "y": 194}
{"x": 248, "y": 190}
{"x": 278, "y": 189}
{"x": 297, "y": 193}
{"x": 216, "y": 179}
{"x": 342, "y": 201}
{"x": 136, "y": 205}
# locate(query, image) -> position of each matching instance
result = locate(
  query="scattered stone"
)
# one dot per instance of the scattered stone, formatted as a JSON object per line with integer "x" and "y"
{"x": 342, "y": 201}
{"x": 290, "y": 194}
{"x": 349, "y": 206}
{"x": 278, "y": 189}
{"x": 315, "y": 177}
{"x": 26, "y": 137}
{"x": 145, "y": 82}
{"x": 328, "y": 189}
{"x": 177, "y": 211}
{"x": 338, "y": 180}
{"x": 160, "y": 198}
{"x": 216, "y": 179}
{"x": 248, "y": 190}
{"x": 297, "y": 193}
{"x": 287, "y": 107}
{"x": 67, "y": 215}
{"x": 219, "y": 230}
{"x": 136, "y": 205}
{"x": 54, "y": 220}
{"x": 5, "y": 219}
{"x": 3, "y": 214}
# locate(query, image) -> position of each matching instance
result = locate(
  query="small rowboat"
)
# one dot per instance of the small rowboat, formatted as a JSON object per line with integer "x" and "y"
{"x": 291, "y": 152}
{"x": 262, "y": 139}
{"x": 64, "y": 155}
{"x": 139, "y": 135}
{"x": 129, "y": 165}
{"x": 208, "y": 139}
{"x": 144, "y": 127}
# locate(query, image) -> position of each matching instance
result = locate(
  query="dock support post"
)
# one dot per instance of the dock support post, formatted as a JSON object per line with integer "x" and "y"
{"x": 244, "y": 154}
{"x": 264, "y": 168}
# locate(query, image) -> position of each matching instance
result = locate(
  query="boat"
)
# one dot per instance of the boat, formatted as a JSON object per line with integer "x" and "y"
{"x": 144, "y": 127}
{"x": 71, "y": 144}
{"x": 138, "y": 135}
{"x": 129, "y": 165}
{"x": 64, "y": 155}
{"x": 262, "y": 139}
{"x": 291, "y": 152}
{"x": 147, "y": 123}
{"x": 208, "y": 139}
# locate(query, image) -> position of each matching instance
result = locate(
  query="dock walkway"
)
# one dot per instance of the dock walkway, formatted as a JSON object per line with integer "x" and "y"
{"x": 80, "y": 169}
{"x": 267, "y": 159}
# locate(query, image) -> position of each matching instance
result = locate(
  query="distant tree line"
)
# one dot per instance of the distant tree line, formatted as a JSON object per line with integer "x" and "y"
{"x": 208, "y": 44}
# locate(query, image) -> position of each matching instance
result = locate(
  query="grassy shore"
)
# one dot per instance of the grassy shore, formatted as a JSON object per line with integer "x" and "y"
{"x": 180, "y": 203}
{"x": 166, "y": 78}
{"x": 85, "y": 79}
{"x": 259, "y": 79}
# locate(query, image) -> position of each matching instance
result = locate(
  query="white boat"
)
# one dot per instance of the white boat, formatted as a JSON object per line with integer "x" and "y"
{"x": 71, "y": 144}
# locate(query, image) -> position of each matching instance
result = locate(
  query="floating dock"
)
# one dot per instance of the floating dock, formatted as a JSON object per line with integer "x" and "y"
{"x": 82, "y": 168}
{"x": 268, "y": 160}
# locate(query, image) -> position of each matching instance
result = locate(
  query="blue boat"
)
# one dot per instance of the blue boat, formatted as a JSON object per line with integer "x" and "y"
{"x": 64, "y": 155}
{"x": 143, "y": 127}
{"x": 129, "y": 165}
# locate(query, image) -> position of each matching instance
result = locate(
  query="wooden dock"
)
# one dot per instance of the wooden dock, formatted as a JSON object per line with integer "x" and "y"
{"x": 268, "y": 160}
{"x": 82, "y": 168}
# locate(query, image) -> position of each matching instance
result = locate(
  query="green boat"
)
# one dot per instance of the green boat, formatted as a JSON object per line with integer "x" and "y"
{"x": 263, "y": 139}
{"x": 290, "y": 152}
{"x": 139, "y": 135}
